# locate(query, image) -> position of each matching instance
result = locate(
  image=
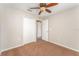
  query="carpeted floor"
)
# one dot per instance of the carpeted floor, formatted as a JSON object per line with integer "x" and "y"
{"x": 40, "y": 48}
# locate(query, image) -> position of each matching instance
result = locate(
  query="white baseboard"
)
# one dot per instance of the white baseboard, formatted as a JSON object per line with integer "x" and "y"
{"x": 11, "y": 48}
{"x": 14, "y": 47}
{"x": 49, "y": 41}
{"x": 59, "y": 44}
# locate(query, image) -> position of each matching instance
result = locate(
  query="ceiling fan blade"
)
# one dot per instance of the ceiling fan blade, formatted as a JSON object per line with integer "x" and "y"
{"x": 40, "y": 12}
{"x": 48, "y": 10}
{"x": 35, "y": 8}
{"x": 52, "y": 4}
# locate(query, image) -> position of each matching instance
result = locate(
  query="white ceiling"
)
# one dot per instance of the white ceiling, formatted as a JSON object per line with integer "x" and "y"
{"x": 55, "y": 9}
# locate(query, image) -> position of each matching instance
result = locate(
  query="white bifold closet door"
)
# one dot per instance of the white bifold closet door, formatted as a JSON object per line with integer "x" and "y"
{"x": 45, "y": 30}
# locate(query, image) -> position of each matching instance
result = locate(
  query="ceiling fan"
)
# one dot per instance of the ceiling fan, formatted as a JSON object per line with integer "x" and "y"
{"x": 44, "y": 7}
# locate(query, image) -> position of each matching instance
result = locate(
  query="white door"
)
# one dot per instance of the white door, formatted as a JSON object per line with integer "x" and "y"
{"x": 45, "y": 30}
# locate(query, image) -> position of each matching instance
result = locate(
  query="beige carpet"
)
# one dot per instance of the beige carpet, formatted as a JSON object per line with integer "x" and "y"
{"x": 40, "y": 48}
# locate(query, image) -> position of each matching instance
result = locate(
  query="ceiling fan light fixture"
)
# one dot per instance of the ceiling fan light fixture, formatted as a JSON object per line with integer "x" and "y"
{"x": 42, "y": 8}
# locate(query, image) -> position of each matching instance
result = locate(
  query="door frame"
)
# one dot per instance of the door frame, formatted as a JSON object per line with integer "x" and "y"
{"x": 37, "y": 29}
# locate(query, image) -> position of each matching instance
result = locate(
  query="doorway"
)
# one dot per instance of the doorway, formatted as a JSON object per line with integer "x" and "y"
{"x": 42, "y": 30}
{"x": 39, "y": 30}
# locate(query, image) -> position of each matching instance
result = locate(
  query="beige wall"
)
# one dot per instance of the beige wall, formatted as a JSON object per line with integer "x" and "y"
{"x": 64, "y": 28}
{"x": 11, "y": 28}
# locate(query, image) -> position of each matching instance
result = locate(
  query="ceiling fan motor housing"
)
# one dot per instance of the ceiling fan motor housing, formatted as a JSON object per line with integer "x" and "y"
{"x": 42, "y": 4}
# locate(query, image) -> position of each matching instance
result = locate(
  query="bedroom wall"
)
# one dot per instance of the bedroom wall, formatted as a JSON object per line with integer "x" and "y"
{"x": 64, "y": 28}
{"x": 0, "y": 29}
{"x": 12, "y": 28}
